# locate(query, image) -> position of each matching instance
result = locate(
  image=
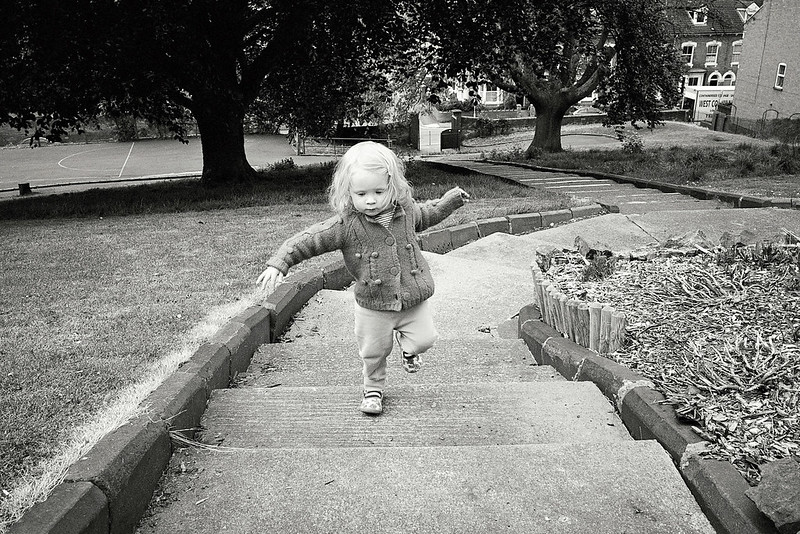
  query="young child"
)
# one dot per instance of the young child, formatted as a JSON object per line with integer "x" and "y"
{"x": 375, "y": 227}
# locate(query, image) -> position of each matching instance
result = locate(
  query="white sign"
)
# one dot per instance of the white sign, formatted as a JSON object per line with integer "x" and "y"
{"x": 707, "y": 98}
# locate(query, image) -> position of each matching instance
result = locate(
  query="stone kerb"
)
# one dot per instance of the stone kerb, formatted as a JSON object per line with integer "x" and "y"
{"x": 109, "y": 489}
{"x": 717, "y": 485}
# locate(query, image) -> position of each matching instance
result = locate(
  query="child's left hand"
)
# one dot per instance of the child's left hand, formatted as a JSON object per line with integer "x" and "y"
{"x": 456, "y": 191}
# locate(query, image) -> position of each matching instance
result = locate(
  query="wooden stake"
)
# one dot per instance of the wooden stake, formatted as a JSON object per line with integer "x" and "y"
{"x": 562, "y": 304}
{"x": 538, "y": 283}
{"x": 583, "y": 324}
{"x": 605, "y": 328}
{"x": 595, "y": 309}
{"x": 572, "y": 309}
{"x": 547, "y": 304}
{"x": 618, "y": 324}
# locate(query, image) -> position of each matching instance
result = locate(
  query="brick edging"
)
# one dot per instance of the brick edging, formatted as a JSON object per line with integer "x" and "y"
{"x": 110, "y": 487}
{"x": 717, "y": 485}
{"x": 702, "y": 193}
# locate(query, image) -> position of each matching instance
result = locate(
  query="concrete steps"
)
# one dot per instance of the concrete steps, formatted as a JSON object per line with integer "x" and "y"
{"x": 595, "y": 487}
{"x": 336, "y": 363}
{"x": 626, "y": 198}
{"x": 425, "y": 415}
{"x": 477, "y": 441}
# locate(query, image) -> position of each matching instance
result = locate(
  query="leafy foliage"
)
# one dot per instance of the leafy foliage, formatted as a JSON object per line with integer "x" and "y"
{"x": 66, "y": 63}
{"x": 556, "y": 53}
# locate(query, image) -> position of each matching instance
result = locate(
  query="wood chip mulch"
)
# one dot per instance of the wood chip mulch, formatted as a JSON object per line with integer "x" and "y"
{"x": 716, "y": 329}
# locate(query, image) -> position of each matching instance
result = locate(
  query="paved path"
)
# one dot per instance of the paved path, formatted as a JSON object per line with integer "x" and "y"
{"x": 480, "y": 440}
{"x": 626, "y": 197}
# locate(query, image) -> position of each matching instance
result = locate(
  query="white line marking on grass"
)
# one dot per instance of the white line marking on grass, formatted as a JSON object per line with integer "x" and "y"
{"x": 126, "y": 160}
{"x": 62, "y": 160}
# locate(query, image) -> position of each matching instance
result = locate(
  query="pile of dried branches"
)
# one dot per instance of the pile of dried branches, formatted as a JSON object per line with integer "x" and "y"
{"x": 718, "y": 333}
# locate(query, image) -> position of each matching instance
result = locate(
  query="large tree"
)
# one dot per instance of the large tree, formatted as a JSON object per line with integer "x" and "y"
{"x": 214, "y": 58}
{"x": 557, "y": 52}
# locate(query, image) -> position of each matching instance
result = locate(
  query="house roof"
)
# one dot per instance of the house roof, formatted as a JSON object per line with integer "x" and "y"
{"x": 722, "y": 16}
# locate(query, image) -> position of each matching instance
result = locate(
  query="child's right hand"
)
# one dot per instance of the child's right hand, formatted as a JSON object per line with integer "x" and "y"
{"x": 270, "y": 278}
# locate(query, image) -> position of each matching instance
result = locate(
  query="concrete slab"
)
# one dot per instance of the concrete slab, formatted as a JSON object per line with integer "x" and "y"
{"x": 499, "y": 249}
{"x": 614, "y": 232}
{"x": 537, "y": 489}
{"x": 763, "y": 223}
{"x": 319, "y": 362}
{"x": 414, "y": 416}
{"x": 471, "y": 297}
{"x": 328, "y": 313}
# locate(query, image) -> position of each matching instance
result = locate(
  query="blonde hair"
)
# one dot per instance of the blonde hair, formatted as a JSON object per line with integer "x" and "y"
{"x": 373, "y": 157}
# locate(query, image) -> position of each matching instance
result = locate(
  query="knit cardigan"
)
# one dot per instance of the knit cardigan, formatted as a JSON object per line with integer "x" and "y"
{"x": 386, "y": 263}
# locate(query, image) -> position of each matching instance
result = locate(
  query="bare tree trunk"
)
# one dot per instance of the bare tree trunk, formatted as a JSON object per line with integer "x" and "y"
{"x": 222, "y": 138}
{"x": 547, "y": 136}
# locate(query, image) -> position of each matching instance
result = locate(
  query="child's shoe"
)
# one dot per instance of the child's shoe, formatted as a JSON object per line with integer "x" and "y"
{"x": 411, "y": 363}
{"x": 372, "y": 403}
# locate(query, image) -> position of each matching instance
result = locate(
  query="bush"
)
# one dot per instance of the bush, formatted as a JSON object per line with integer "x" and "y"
{"x": 283, "y": 165}
{"x": 633, "y": 143}
{"x": 490, "y": 127}
{"x": 515, "y": 153}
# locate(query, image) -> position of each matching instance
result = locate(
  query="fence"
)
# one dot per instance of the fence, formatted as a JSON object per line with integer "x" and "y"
{"x": 769, "y": 126}
{"x": 595, "y": 326}
{"x": 327, "y": 146}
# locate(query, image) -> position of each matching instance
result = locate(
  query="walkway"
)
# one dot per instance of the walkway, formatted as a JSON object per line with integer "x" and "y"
{"x": 626, "y": 197}
{"x": 480, "y": 440}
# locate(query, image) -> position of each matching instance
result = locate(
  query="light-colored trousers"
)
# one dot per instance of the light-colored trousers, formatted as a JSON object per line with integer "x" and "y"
{"x": 375, "y": 333}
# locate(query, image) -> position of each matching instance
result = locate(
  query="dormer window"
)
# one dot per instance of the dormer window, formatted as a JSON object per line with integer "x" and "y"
{"x": 698, "y": 16}
{"x": 746, "y": 12}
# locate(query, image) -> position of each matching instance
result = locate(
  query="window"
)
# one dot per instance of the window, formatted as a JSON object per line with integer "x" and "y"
{"x": 698, "y": 16}
{"x": 714, "y": 79}
{"x": 712, "y": 50}
{"x": 742, "y": 13}
{"x": 693, "y": 81}
{"x": 780, "y": 76}
{"x": 746, "y": 12}
{"x": 736, "y": 52}
{"x": 687, "y": 52}
{"x": 729, "y": 79}
{"x": 490, "y": 94}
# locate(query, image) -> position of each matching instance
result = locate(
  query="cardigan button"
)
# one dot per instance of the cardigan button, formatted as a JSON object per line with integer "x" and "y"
{"x": 378, "y": 282}
{"x": 395, "y": 271}
{"x": 290, "y": 250}
{"x": 390, "y": 241}
{"x": 409, "y": 246}
{"x": 358, "y": 254}
{"x": 406, "y": 296}
{"x": 375, "y": 254}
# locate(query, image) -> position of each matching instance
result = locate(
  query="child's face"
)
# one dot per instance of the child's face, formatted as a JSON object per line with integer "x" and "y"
{"x": 369, "y": 191}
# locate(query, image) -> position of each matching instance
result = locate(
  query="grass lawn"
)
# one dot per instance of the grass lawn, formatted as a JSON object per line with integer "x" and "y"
{"x": 100, "y": 302}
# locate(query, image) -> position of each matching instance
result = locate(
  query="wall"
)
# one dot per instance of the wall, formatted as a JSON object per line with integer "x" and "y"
{"x": 770, "y": 38}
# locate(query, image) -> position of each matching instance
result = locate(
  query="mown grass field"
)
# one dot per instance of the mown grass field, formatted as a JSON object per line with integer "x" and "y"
{"x": 105, "y": 292}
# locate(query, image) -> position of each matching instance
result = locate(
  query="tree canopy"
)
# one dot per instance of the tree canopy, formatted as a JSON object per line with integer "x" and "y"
{"x": 557, "y": 52}
{"x": 305, "y": 62}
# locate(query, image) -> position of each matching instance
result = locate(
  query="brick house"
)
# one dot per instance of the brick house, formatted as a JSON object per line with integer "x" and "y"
{"x": 709, "y": 35}
{"x": 769, "y": 82}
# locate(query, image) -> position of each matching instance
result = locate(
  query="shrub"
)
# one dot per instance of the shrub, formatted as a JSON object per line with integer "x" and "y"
{"x": 283, "y": 165}
{"x": 515, "y": 153}
{"x": 490, "y": 127}
{"x": 633, "y": 143}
